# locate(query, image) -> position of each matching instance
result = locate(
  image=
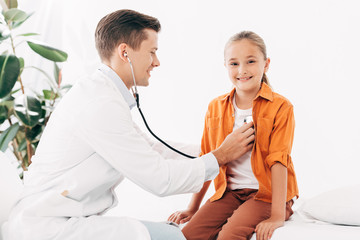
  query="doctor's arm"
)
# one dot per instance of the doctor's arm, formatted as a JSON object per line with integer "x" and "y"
{"x": 118, "y": 142}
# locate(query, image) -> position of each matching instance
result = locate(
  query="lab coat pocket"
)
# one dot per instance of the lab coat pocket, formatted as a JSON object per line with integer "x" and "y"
{"x": 263, "y": 132}
{"x": 54, "y": 204}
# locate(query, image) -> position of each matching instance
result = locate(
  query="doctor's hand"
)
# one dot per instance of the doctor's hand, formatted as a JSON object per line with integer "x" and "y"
{"x": 181, "y": 217}
{"x": 235, "y": 144}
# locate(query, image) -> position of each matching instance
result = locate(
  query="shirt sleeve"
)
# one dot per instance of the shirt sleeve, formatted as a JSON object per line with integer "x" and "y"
{"x": 281, "y": 138}
{"x": 211, "y": 164}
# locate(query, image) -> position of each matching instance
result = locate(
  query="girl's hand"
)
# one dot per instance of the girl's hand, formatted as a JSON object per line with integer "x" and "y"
{"x": 181, "y": 217}
{"x": 266, "y": 228}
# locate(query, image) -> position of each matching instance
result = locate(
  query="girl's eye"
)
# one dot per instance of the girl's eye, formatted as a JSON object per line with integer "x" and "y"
{"x": 251, "y": 61}
{"x": 233, "y": 64}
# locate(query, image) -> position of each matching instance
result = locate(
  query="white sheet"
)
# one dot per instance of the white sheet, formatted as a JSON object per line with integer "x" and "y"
{"x": 299, "y": 228}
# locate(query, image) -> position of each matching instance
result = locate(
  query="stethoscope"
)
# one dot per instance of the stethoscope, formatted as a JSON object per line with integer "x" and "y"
{"x": 136, "y": 96}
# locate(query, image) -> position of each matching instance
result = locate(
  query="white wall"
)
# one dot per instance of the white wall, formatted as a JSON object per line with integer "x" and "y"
{"x": 315, "y": 56}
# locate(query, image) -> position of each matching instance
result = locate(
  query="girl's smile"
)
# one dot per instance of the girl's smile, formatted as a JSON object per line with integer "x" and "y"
{"x": 246, "y": 65}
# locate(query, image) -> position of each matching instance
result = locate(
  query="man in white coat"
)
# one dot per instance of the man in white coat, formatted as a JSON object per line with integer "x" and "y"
{"x": 91, "y": 144}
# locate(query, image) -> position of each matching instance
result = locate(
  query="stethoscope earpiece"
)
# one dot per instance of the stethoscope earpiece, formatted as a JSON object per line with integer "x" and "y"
{"x": 134, "y": 89}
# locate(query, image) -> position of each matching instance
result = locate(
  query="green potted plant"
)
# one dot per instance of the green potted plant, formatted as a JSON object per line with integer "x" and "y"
{"x": 23, "y": 111}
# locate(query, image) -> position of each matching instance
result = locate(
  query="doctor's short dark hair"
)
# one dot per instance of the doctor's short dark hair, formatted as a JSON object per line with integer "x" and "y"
{"x": 123, "y": 26}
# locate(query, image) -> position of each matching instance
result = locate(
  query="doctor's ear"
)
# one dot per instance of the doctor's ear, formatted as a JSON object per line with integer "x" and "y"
{"x": 121, "y": 51}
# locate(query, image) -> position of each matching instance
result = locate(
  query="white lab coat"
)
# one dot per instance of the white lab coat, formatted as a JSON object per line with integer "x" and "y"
{"x": 89, "y": 146}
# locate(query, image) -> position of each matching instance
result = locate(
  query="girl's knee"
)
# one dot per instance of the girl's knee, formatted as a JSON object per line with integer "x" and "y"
{"x": 242, "y": 233}
{"x": 192, "y": 232}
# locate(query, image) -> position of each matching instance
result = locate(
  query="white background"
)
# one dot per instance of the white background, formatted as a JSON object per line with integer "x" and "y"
{"x": 314, "y": 48}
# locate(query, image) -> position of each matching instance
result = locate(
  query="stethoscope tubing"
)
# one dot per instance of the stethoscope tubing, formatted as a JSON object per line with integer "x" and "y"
{"x": 136, "y": 96}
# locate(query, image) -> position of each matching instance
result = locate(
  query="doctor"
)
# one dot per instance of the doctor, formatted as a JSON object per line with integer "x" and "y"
{"x": 91, "y": 144}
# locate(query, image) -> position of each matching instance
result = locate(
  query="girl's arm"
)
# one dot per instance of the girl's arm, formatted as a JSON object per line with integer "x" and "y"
{"x": 265, "y": 229}
{"x": 278, "y": 188}
{"x": 184, "y": 216}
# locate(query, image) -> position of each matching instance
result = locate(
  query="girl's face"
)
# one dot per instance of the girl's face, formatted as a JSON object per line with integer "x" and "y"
{"x": 246, "y": 65}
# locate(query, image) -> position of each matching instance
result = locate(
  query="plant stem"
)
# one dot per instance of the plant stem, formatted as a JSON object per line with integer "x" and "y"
{"x": 13, "y": 48}
{"x": 12, "y": 43}
{"x": 21, "y": 84}
{"x": 29, "y": 151}
{"x": 18, "y": 154}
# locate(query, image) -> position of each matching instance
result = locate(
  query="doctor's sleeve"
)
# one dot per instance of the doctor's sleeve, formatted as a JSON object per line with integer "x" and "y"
{"x": 120, "y": 144}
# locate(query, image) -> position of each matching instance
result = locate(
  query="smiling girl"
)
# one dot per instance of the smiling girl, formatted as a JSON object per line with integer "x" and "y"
{"x": 255, "y": 192}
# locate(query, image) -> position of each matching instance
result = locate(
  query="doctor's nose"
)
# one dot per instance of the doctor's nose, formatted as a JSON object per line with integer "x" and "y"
{"x": 156, "y": 62}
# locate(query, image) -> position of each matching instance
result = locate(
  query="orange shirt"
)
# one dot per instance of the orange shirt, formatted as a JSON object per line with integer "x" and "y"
{"x": 274, "y": 132}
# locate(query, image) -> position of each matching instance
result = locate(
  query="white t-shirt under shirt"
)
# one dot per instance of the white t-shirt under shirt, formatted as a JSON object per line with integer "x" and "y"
{"x": 239, "y": 172}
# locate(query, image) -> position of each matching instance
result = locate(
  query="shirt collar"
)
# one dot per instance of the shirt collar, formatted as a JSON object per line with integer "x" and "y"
{"x": 129, "y": 98}
{"x": 264, "y": 92}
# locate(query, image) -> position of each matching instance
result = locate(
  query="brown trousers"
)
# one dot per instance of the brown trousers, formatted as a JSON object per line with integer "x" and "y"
{"x": 234, "y": 216}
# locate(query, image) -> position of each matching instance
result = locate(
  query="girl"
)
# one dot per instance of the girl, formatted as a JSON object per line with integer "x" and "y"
{"x": 255, "y": 192}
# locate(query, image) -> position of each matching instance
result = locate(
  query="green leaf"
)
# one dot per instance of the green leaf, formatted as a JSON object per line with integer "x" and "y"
{"x": 14, "y": 91}
{"x": 9, "y": 73}
{"x": 15, "y": 15}
{"x": 4, "y": 33}
{"x": 43, "y": 112}
{"x": 34, "y": 132}
{"x": 48, "y": 108}
{"x": 66, "y": 86}
{"x": 56, "y": 73}
{"x": 49, "y": 95}
{"x": 28, "y": 34}
{"x": 7, "y": 136}
{"x": 22, "y": 145}
{"x": 17, "y": 24}
{"x": 2, "y": 38}
{"x": 22, "y": 63}
{"x": 28, "y": 110}
{"x": 7, "y": 98}
{"x": 11, "y": 3}
{"x": 9, "y": 104}
{"x": 3, "y": 113}
{"x": 47, "y": 52}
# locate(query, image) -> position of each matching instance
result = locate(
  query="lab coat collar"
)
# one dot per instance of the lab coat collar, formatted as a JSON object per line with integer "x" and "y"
{"x": 130, "y": 100}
